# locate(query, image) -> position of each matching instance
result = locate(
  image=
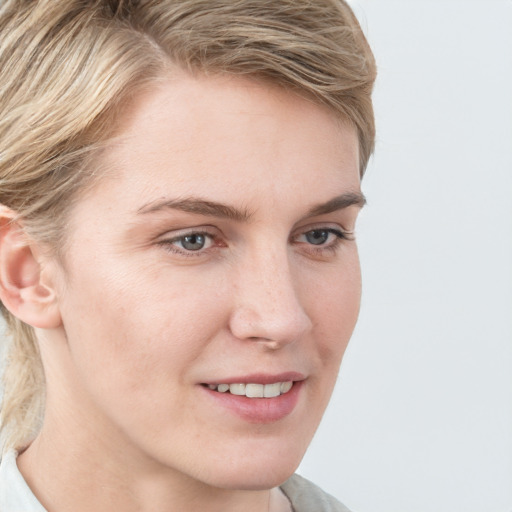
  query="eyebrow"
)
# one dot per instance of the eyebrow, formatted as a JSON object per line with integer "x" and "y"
{"x": 207, "y": 208}
{"x": 198, "y": 206}
{"x": 338, "y": 203}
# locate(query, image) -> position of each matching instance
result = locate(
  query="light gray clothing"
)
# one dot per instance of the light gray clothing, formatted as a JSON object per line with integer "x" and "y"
{"x": 16, "y": 496}
{"x": 307, "y": 497}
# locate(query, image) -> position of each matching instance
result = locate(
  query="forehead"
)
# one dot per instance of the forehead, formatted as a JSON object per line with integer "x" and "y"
{"x": 230, "y": 138}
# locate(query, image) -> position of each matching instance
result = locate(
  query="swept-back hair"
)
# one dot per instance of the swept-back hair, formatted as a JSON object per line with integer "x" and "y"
{"x": 67, "y": 67}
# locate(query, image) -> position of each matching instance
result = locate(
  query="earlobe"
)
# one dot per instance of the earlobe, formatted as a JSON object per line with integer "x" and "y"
{"x": 22, "y": 288}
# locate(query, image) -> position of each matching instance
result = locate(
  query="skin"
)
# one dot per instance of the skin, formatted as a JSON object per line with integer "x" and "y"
{"x": 142, "y": 322}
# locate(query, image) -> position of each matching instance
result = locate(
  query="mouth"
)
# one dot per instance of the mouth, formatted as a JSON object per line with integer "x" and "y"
{"x": 258, "y": 398}
{"x": 253, "y": 390}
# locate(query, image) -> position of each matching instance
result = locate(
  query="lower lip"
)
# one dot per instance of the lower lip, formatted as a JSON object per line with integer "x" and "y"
{"x": 258, "y": 410}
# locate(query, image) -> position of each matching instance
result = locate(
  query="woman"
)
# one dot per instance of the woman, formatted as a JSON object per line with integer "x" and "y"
{"x": 180, "y": 181}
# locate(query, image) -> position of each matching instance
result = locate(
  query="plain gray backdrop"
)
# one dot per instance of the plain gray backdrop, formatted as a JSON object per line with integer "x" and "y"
{"x": 421, "y": 420}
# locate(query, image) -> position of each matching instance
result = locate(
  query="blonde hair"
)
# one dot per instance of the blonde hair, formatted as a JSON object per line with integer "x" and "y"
{"x": 68, "y": 66}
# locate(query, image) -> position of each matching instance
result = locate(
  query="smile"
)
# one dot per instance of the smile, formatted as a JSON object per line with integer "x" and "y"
{"x": 254, "y": 390}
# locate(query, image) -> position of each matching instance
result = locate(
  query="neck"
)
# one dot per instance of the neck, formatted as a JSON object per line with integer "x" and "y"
{"x": 84, "y": 480}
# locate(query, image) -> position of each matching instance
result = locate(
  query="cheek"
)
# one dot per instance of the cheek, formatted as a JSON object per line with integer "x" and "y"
{"x": 134, "y": 343}
{"x": 335, "y": 307}
{"x": 131, "y": 329}
{"x": 336, "y": 299}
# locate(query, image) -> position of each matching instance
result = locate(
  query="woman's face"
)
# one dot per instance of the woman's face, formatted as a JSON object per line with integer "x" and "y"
{"x": 218, "y": 252}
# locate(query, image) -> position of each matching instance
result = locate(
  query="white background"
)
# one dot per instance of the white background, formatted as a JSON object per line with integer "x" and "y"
{"x": 421, "y": 420}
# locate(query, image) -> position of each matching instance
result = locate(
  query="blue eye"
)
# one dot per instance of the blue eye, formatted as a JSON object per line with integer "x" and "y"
{"x": 193, "y": 242}
{"x": 189, "y": 243}
{"x": 322, "y": 241}
{"x": 317, "y": 236}
{"x": 322, "y": 237}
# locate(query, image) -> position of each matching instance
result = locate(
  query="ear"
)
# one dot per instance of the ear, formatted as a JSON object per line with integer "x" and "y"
{"x": 25, "y": 290}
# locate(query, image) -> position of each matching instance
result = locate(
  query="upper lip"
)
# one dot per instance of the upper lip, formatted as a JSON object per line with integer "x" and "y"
{"x": 259, "y": 378}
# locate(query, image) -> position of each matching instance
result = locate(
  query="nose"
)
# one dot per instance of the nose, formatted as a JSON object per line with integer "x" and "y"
{"x": 267, "y": 307}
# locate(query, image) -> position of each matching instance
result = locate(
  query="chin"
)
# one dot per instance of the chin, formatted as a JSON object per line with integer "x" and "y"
{"x": 252, "y": 479}
{"x": 266, "y": 469}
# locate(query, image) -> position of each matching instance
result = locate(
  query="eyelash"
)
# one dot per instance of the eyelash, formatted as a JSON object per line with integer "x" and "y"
{"x": 323, "y": 248}
{"x": 340, "y": 236}
{"x": 170, "y": 244}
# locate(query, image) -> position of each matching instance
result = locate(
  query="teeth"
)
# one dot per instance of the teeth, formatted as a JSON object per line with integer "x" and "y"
{"x": 286, "y": 386}
{"x": 272, "y": 390}
{"x": 237, "y": 389}
{"x": 254, "y": 390}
